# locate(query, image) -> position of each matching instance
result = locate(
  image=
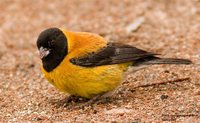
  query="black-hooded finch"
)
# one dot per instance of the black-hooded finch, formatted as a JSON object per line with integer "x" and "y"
{"x": 86, "y": 65}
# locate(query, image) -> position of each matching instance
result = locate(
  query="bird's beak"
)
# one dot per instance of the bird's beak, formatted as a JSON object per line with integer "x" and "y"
{"x": 43, "y": 52}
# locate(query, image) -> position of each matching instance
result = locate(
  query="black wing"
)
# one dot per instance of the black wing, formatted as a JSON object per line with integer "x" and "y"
{"x": 113, "y": 54}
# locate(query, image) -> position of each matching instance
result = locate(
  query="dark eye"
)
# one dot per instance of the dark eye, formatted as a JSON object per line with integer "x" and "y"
{"x": 51, "y": 43}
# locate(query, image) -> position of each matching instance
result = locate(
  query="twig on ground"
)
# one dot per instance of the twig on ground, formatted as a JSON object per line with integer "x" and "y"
{"x": 164, "y": 82}
{"x": 169, "y": 117}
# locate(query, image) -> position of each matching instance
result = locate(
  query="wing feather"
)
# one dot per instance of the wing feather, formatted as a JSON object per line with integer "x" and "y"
{"x": 112, "y": 54}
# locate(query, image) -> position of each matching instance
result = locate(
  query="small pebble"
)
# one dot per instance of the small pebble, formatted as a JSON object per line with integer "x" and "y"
{"x": 162, "y": 97}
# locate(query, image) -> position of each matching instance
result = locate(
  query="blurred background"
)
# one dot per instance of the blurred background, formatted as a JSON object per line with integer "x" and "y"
{"x": 168, "y": 27}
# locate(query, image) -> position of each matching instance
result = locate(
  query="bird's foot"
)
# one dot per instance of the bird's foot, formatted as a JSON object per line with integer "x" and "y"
{"x": 75, "y": 99}
{"x": 99, "y": 99}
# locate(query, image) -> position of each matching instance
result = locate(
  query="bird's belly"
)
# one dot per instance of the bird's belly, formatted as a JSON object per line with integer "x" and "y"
{"x": 86, "y": 82}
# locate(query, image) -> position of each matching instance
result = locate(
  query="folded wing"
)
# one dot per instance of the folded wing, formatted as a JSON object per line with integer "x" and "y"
{"x": 113, "y": 54}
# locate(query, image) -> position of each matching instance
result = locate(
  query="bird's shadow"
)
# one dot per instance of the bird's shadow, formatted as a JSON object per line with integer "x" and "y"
{"x": 74, "y": 102}
{"x": 79, "y": 102}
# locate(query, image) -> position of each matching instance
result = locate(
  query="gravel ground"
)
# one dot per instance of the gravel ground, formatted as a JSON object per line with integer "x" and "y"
{"x": 158, "y": 93}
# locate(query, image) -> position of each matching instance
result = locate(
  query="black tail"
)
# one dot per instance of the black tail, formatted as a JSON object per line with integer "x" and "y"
{"x": 156, "y": 60}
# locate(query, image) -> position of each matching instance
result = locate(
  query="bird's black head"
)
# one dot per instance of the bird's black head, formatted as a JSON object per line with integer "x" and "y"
{"x": 52, "y": 45}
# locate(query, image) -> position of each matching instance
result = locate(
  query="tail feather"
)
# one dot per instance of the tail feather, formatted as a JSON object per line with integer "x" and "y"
{"x": 157, "y": 60}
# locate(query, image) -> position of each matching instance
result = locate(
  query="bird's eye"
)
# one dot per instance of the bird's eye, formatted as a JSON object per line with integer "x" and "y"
{"x": 51, "y": 43}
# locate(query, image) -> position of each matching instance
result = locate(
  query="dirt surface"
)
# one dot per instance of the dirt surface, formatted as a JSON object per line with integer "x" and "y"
{"x": 169, "y": 27}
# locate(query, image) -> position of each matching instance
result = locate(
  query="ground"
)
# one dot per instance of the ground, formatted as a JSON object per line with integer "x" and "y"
{"x": 157, "y": 93}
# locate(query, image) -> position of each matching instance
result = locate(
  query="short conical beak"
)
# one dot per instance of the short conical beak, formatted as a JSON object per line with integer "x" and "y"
{"x": 43, "y": 52}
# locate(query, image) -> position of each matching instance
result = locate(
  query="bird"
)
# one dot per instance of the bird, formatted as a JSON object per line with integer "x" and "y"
{"x": 85, "y": 64}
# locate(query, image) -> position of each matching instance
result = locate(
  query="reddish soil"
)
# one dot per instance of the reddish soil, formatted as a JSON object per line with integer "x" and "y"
{"x": 170, "y": 28}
